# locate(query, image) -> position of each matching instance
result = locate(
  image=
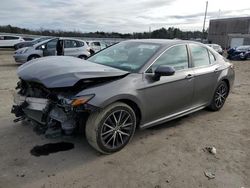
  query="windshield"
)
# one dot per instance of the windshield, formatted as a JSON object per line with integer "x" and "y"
{"x": 129, "y": 56}
{"x": 36, "y": 41}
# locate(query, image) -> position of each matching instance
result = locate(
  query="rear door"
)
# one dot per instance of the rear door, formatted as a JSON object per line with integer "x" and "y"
{"x": 206, "y": 72}
{"x": 71, "y": 48}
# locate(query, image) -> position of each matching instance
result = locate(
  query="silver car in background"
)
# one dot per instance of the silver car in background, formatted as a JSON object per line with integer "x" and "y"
{"x": 136, "y": 83}
{"x": 96, "y": 46}
{"x": 71, "y": 47}
{"x": 217, "y": 48}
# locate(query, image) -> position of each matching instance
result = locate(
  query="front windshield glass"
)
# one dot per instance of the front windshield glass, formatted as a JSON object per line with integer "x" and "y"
{"x": 129, "y": 55}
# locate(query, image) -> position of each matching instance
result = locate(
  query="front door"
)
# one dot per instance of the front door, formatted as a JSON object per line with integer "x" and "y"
{"x": 171, "y": 94}
{"x": 50, "y": 48}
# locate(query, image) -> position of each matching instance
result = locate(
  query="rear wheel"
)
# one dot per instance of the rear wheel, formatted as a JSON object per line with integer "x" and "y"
{"x": 83, "y": 57}
{"x": 111, "y": 129}
{"x": 220, "y": 96}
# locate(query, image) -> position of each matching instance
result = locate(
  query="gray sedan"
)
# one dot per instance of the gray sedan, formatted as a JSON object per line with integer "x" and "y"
{"x": 136, "y": 83}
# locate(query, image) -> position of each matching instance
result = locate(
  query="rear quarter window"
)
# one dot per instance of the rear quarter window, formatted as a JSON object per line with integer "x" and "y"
{"x": 211, "y": 57}
{"x": 199, "y": 55}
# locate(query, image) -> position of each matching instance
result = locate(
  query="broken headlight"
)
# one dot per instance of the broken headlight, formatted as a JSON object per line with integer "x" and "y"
{"x": 81, "y": 100}
{"x": 75, "y": 102}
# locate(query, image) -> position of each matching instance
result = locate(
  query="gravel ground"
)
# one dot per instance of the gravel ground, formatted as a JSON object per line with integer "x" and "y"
{"x": 168, "y": 155}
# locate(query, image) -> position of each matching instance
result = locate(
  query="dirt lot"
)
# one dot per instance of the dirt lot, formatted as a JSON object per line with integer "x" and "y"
{"x": 169, "y": 155}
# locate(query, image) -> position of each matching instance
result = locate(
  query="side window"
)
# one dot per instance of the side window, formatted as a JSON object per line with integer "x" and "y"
{"x": 70, "y": 44}
{"x": 10, "y": 38}
{"x": 97, "y": 44}
{"x": 79, "y": 43}
{"x": 51, "y": 44}
{"x": 211, "y": 57}
{"x": 176, "y": 57}
{"x": 199, "y": 55}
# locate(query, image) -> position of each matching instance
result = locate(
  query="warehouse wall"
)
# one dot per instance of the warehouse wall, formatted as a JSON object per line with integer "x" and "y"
{"x": 220, "y": 28}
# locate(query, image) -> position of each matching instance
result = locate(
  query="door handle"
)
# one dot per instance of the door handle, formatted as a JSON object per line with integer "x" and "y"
{"x": 216, "y": 70}
{"x": 189, "y": 76}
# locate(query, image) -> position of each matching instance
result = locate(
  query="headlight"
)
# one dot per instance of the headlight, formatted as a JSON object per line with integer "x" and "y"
{"x": 81, "y": 100}
{"x": 74, "y": 102}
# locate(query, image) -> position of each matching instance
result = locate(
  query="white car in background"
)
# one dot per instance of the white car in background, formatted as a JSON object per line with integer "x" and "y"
{"x": 96, "y": 46}
{"x": 71, "y": 47}
{"x": 8, "y": 41}
{"x": 216, "y": 47}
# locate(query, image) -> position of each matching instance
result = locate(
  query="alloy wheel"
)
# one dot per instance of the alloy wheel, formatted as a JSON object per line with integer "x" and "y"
{"x": 117, "y": 129}
{"x": 221, "y": 95}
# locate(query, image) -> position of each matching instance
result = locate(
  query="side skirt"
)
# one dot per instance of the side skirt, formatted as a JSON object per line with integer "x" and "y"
{"x": 171, "y": 117}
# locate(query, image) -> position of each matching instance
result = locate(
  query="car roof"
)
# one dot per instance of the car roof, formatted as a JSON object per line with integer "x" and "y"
{"x": 10, "y": 36}
{"x": 64, "y": 38}
{"x": 165, "y": 42}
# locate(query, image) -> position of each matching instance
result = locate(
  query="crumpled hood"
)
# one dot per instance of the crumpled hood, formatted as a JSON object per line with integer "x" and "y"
{"x": 64, "y": 71}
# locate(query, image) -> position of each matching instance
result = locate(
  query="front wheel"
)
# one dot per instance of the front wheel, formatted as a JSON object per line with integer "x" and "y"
{"x": 33, "y": 57}
{"x": 111, "y": 129}
{"x": 219, "y": 97}
{"x": 83, "y": 57}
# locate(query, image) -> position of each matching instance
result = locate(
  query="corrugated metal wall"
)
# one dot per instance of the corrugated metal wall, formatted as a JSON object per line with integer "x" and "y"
{"x": 220, "y": 29}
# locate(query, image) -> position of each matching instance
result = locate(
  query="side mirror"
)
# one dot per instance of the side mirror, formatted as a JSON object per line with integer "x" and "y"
{"x": 163, "y": 70}
{"x": 43, "y": 47}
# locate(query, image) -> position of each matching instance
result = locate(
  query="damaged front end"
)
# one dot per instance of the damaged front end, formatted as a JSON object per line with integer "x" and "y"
{"x": 53, "y": 111}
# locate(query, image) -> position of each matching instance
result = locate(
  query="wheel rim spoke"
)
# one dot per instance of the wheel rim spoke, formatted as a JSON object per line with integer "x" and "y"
{"x": 107, "y": 125}
{"x": 123, "y": 133}
{"x": 114, "y": 139}
{"x": 126, "y": 125}
{"x": 109, "y": 131}
{"x": 120, "y": 135}
{"x": 120, "y": 116}
{"x": 116, "y": 121}
{"x": 110, "y": 139}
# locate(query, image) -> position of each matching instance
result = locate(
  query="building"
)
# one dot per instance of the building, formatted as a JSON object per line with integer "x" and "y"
{"x": 230, "y": 32}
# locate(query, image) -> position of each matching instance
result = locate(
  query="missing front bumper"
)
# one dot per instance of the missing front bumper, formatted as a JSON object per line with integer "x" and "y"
{"x": 33, "y": 108}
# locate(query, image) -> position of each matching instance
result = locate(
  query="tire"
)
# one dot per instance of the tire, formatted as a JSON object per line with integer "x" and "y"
{"x": 92, "y": 52}
{"x": 82, "y": 57}
{"x": 102, "y": 133}
{"x": 33, "y": 57}
{"x": 219, "y": 97}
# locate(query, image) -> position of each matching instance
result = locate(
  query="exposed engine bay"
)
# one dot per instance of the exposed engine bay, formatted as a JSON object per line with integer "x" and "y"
{"x": 54, "y": 111}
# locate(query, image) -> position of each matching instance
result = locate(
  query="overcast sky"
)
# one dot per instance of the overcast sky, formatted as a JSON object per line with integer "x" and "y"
{"x": 116, "y": 15}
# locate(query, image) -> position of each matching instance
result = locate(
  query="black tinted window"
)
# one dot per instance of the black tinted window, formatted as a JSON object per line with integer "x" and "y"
{"x": 10, "y": 38}
{"x": 51, "y": 44}
{"x": 199, "y": 55}
{"x": 175, "y": 57}
{"x": 97, "y": 43}
{"x": 80, "y": 44}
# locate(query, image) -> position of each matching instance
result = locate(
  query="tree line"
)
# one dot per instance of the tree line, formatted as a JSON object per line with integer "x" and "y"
{"x": 162, "y": 33}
